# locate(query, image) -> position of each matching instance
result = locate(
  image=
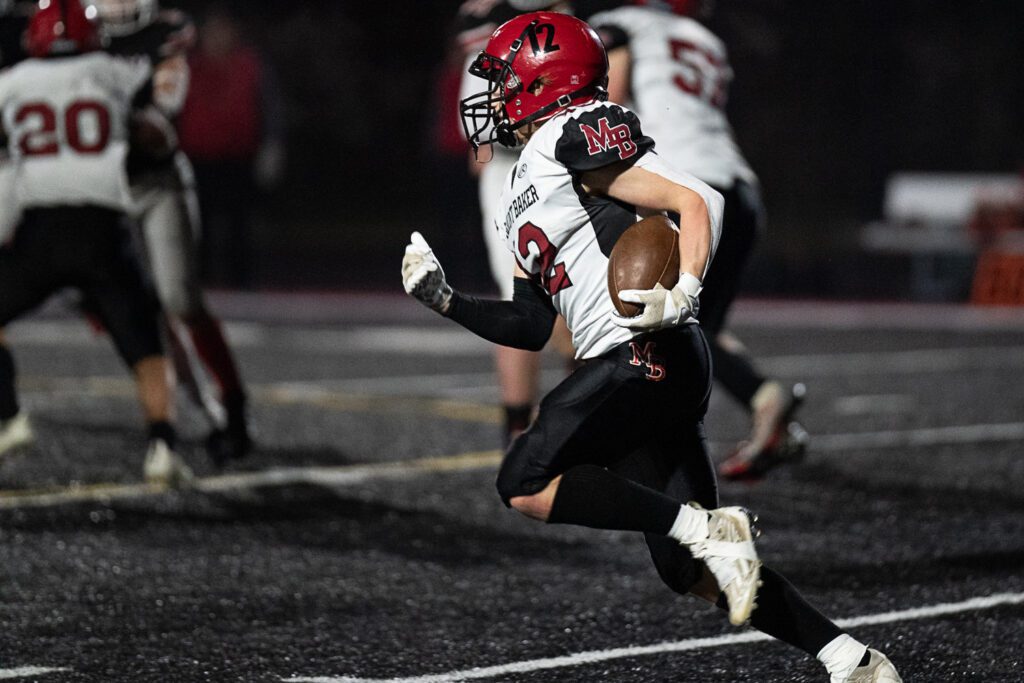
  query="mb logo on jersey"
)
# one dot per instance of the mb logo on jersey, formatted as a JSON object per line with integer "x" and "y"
{"x": 645, "y": 356}
{"x": 607, "y": 136}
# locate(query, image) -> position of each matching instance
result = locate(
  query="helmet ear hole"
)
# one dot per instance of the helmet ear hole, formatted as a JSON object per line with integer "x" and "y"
{"x": 537, "y": 86}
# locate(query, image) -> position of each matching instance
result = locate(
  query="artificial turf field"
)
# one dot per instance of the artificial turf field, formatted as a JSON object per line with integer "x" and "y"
{"x": 364, "y": 541}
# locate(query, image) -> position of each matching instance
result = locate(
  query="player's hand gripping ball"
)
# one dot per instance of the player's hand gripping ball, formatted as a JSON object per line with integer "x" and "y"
{"x": 644, "y": 282}
{"x": 423, "y": 276}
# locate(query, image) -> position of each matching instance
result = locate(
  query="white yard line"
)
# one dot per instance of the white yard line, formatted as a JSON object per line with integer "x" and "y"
{"x": 26, "y": 671}
{"x": 593, "y": 656}
{"x": 911, "y": 438}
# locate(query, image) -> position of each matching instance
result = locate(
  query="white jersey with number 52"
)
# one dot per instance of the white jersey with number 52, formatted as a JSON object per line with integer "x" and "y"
{"x": 680, "y": 78}
{"x": 66, "y": 123}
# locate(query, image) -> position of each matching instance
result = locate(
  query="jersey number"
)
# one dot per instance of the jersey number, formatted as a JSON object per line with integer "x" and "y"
{"x": 86, "y": 128}
{"x": 709, "y": 84}
{"x": 552, "y": 275}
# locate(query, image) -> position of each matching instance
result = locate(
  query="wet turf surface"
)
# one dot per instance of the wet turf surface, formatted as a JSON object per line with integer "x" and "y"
{"x": 426, "y": 573}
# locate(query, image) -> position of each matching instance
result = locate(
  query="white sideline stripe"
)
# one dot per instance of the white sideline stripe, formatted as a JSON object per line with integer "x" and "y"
{"x": 926, "y": 436}
{"x": 888, "y": 362}
{"x": 451, "y": 341}
{"x": 26, "y": 671}
{"x": 594, "y": 656}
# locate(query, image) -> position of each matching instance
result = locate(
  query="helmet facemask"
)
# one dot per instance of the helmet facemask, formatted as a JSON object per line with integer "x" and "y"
{"x": 537, "y": 86}
{"x": 485, "y": 111}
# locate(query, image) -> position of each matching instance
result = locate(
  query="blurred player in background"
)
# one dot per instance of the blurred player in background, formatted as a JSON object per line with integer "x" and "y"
{"x": 232, "y": 128}
{"x": 676, "y": 73}
{"x": 66, "y": 116}
{"x": 518, "y": 370}
{"x": 620, "y": 443}
{"x": 165, "y": 203}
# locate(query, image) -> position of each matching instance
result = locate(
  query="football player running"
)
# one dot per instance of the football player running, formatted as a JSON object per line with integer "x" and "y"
{"x": 676, "y": 73}
{"x": 165, "y": 203}
{"x": 619, "y": 444}
{"x": 65, "y": 117}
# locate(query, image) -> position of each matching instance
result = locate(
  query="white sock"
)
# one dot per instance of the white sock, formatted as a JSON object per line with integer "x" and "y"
{"x": 841, "y": 656}
{"x": 691, "y": 525}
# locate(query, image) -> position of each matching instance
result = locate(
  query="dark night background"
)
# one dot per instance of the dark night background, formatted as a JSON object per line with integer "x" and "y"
{"x": 828, "y": 100}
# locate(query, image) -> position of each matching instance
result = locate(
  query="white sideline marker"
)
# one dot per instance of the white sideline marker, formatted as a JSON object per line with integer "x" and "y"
{"x": 26, "y": 671}
{"x": 593, "y": 656}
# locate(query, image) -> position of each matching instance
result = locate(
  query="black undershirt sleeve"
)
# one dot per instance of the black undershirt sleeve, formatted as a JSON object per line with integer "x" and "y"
{"x": 523, "y": 323}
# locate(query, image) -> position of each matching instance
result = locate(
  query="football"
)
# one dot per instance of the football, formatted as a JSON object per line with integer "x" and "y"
{"x": 647, "y": 253}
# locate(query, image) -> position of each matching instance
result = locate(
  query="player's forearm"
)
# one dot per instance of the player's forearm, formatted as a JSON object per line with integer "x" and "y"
{"x": 694, "y": 234}
{"x": 523, "y": 323}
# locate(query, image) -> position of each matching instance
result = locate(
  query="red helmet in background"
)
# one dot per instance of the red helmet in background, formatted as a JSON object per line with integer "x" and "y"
{"x": 535, "y": 65}
{"x": 62, "y": 27}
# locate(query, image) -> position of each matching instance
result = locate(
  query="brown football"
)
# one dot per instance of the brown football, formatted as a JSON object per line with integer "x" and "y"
{"x": 646, "y": 254}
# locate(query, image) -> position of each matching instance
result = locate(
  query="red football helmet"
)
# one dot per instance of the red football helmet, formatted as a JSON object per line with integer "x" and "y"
{"x": 62, "y": 27}
{"x": 535, "y": 65}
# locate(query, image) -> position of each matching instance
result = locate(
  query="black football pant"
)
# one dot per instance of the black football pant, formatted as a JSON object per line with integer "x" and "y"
{"x": 88, "y": 249}
{"x": 741, "y": 224}
{"x": 638, "y": 411}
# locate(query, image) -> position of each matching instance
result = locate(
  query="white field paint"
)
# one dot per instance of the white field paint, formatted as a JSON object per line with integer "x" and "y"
{"x": 27, "y": 671}
{"x": 594, "y": 656}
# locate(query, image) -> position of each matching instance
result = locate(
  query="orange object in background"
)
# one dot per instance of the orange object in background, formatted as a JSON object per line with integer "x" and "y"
{"x": 999, "y": 279}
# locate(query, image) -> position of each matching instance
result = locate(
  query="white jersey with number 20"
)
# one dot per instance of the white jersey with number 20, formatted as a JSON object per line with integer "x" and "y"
{"x": 66, "y": 121}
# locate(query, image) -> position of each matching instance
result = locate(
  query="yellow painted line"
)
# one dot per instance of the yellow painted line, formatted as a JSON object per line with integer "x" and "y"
{"x": 286, "y": 476}
{"x": 288, "y": 394}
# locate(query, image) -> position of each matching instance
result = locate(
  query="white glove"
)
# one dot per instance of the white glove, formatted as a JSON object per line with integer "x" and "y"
{"x": 423, "y": 276}
{"x": 662, "y": 308}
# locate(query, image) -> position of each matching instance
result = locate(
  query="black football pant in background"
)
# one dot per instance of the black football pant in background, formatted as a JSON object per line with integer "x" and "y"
{"x": 741, "y": 224}
{"x": 88, "y": 249}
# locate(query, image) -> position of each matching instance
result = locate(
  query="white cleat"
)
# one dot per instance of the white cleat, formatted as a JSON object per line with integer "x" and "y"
{"x": 15, "y": 433}
{"x": 729, "y": 553}
{"x": 878, "y": 670}
{"x": 164, "y": 467}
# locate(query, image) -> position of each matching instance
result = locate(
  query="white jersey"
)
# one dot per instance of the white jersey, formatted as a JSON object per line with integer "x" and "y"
{"x": 66, "y": 121}
{"x": 680, "y": 77}
{"x": 563, "y": 237}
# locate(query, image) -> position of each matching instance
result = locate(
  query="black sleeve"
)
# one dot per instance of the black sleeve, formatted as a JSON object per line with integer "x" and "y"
{"x": 599, "y": 137}
{"x": 523, "y": 323}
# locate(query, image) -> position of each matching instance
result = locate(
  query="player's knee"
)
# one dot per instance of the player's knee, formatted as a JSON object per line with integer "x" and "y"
{"x": 536, "y": 506}
{"x": 508, "y": 486}
{"x": 521, "y": 495}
